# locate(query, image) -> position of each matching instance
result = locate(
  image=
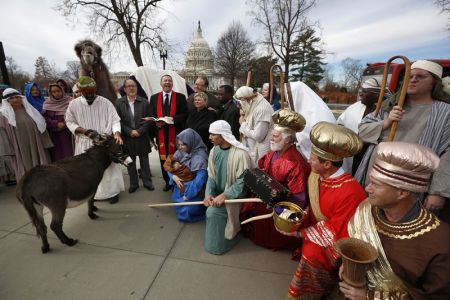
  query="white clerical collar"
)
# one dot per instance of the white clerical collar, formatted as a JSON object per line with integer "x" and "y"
{"x": 336, "y": 174}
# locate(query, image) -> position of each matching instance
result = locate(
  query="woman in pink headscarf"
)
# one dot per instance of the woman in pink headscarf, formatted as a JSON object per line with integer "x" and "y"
{"x": 53, "y": 111}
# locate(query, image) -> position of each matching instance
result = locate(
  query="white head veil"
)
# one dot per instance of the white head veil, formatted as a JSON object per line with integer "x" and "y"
{"x": 224, "y": 129}
{"x": 313, "y": 108}
{"x": 7, "y": 110}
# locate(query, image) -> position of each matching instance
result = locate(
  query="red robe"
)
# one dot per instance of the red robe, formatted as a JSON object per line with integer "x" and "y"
{"x": 291, "y": 170}
{"x": 317, "y": 271}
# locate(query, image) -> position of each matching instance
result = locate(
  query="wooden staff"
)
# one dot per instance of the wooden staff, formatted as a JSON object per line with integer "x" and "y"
{"x": 272, "y": 87}
{"x": 249, "y": 76}
{"x": 244, "y": 200}
{"x": 402, "y": 97}
{"x": 261, "y": 217}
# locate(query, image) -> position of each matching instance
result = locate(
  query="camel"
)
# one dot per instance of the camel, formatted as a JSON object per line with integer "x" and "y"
{"x": 91, "y": 64}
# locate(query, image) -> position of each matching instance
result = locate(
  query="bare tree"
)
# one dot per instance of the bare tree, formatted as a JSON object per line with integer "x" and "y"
{"x": 234, "y": 51}
{"x": 73, "y": 68}
{"x": 283, "y": 21}
{"x": 17, "y": 76}
{"x": 443, "y": 4}
{"x": 120, "y": 21}
{"x": 352, "y": 70}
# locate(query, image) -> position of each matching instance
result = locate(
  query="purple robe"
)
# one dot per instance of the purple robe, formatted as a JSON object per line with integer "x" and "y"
{"x": 62, "y": 139}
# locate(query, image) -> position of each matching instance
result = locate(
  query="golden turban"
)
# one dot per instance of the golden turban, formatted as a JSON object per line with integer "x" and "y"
{"x": 334, "y": 142}
{"x": 288, "y": 121}
{"x": 406, "y": 166}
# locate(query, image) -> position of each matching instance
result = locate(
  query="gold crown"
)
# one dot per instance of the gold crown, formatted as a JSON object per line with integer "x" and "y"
{"x": 290, "y": 120}
{"x": 334, "y": 142}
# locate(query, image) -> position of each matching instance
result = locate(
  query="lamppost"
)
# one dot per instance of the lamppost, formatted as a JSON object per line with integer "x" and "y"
{"x": 163, "y": 55}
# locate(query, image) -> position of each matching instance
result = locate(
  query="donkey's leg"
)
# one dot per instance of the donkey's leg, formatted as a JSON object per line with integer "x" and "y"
{"x": 92, "y": 208}
{"x": 41, "y": 229}
{"x": 57, "y": 223}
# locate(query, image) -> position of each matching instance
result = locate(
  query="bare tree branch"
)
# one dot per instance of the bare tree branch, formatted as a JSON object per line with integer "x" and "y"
{"x": 283, "y": 21}
{"x": 119, "y": 21}
{"x": 234, "y": 52}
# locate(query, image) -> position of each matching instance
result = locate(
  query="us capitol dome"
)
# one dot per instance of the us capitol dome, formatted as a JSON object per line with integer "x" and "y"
{"x": 200, "y": 62}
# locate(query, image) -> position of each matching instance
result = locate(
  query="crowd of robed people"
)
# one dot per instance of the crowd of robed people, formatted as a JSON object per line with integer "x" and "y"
{"x": 205, "y": 143}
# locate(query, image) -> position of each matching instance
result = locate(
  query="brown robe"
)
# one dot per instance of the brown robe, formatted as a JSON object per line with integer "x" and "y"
{"x": 30, "y": 146}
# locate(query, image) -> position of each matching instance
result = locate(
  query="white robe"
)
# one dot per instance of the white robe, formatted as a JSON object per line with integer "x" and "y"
{"x": 312, "y": 108}
{"x": 102, "y": 117}
{"x": 350, "y": 118}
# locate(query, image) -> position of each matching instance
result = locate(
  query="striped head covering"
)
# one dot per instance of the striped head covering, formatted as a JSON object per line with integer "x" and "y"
{"x": 405, "y": 166}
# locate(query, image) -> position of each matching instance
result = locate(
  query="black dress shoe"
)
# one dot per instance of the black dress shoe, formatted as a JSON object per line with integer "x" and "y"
{"x": 149, "y": 186}
{"x": 167, "y": 188}
{"x": 114, "y": 199}
{"x": 132, "y": 189}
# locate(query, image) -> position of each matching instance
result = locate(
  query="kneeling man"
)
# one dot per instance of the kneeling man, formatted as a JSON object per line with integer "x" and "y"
{"x": 227, "y": 161}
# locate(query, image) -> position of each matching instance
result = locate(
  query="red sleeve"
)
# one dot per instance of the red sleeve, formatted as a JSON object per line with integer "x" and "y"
{"x": 326, "y": 233}
{"x": 296, "y": 180}
{"x": 262, "y": 162}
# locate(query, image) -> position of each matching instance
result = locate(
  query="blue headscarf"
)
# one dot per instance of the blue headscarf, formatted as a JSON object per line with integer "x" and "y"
{"x": 197, "y": 158}
{"x": 36, "y": 102}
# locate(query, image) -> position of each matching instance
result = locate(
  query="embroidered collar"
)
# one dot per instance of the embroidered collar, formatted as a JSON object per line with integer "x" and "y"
{"x": 424, "y": 223}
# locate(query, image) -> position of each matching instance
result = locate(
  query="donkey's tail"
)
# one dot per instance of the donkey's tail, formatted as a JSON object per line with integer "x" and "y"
{"x": 37, "y": 218}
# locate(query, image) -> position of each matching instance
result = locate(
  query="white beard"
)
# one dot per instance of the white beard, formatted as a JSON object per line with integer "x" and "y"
{"x": 275, "y": 146}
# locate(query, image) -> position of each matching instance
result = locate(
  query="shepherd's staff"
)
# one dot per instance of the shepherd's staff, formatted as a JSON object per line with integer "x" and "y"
{"x": 402, "y": 96}
{"x": 272, "y": 87}
{"x": 249, "y": 76}
{"x": 243, "y": 200}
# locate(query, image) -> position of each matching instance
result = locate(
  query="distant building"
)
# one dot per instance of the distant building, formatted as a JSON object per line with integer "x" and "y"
{"x": 118, "y": 78}
{"x": 200, "y": 62}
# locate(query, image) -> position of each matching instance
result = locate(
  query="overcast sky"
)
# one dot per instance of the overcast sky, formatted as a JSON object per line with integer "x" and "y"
{"x": 366, "y": 30}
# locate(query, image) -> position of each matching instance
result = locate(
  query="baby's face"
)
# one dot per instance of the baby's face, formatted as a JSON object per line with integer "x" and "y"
{"x": 176, "y": 165}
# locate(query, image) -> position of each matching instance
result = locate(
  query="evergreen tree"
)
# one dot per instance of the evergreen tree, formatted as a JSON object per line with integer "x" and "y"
{"x": 307, "y": 59}
{"x": 44, "y": 72}
{"x": 260, "y": 70}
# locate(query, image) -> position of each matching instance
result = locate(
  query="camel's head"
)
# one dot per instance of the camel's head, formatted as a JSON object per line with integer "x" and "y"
{"x": 88, "y": 52}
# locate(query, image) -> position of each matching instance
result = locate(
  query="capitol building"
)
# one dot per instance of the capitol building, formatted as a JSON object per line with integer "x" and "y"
{"x": 200, "y": 62}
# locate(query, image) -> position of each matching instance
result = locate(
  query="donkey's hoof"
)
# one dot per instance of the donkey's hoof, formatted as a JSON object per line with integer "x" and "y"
{"x": 45, "y": 249}
{"x": 94, "y": 208}
{"x": 93, "y": 216}
{"x": 71, "y": 242}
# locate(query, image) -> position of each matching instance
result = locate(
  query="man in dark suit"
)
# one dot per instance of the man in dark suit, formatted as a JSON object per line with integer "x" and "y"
{"x": 228, "y": 110}
{"x": 135, "y": 133}
{"x": 172, "y": 105}
{"x": 201, "y": 85}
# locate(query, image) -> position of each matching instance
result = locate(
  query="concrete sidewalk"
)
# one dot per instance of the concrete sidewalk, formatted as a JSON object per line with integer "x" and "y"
{"x": 131, "y": 252}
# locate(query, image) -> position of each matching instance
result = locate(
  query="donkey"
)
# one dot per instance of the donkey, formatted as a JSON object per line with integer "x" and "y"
{"x": 67, "y": 183}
